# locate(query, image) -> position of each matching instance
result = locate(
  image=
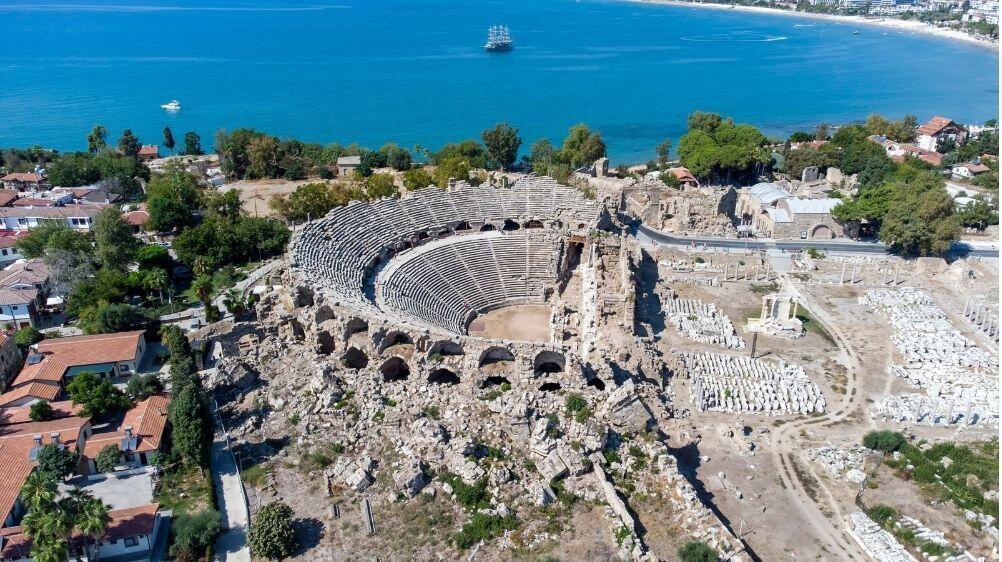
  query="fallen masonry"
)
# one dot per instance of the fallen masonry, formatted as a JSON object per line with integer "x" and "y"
{"x": 878, "y": 543}
{"x": 723, "y": 383}
{"x": 841, "y": 461}
{"x": 701, "y": 322}
{"x": 959, "y": 378}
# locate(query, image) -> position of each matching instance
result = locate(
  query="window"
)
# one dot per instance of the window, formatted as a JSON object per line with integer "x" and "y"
{"x": 131, "y": 541}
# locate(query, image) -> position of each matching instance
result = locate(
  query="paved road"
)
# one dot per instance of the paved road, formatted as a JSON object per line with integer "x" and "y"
{"x": 647, "y": 234}
{"x": 231, "y": 546}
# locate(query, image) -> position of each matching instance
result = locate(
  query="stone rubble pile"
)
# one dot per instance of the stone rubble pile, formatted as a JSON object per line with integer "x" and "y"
{"x": 878, "y": 543}
{"x": 959, "y": 378}
{"x": 698, "y": 281}
{"x": 839, "y": 461}
{"x": 701, "y": 322}
{"x": 723, "y": 383}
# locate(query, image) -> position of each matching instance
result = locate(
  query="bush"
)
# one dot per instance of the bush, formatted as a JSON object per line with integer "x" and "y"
{"x": 574, "y": 403}
{"x": 40, "y": 411}
{"x": 271, "y": 534}
{"x": 56, "y": 461}
{"x": 471, "y": 496}
{"x": 697, "y": 551}
{"x": 141, "y": 387}
{"x": 26, "y": 337}
{"x": 882, "y": 515}
{"x": 886, "y": 441}
{"x": 107, "y": 458}
{"x": 483, "y": 527}
{"x": 97, "y": 396}
{"x": 194, "y": 533}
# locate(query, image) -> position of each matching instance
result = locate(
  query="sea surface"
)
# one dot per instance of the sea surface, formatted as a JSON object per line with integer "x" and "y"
{"x": 414, "y": 72}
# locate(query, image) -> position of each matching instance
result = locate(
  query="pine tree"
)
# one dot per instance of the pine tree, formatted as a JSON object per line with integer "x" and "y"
{"x": 169, "y": 140}
{"x": 187, "y": 417}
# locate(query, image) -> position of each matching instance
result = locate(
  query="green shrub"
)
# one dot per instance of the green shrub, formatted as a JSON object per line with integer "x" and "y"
{"x": 107, "y": 458}
{"x": 886, "y": 441}
{"x": 483, "y": 527}
{"x": 697, "y": 551}
{"x": 574, "y": 403}
{"x": 271, "y": 534}
{"x": 882, "y": 514}
{"x": 471, "y": 496}
{"x": 194, "y": 533}
{"x": 41, "y": 411}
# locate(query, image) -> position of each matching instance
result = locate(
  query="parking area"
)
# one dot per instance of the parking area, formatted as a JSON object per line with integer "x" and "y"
{"x": 119, "y": 492}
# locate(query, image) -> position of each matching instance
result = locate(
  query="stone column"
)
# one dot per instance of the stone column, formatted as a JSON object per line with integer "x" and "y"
{"x": 841, "y": 280}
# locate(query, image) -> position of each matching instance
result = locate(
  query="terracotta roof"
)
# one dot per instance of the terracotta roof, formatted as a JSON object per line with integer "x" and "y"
{"x": 148, "y": 420}
{"x": 22, "y": 176}
{"x": 934, "y": 158}
{"x": 15, "y": 466}
{"x": 137, "y": 218}
{"x": 7, "y": 196}
{"x": 125, "y": 523}
{"x": 60, "y": 354}
{"x": 974, "y": 168}
{"x": 40, "y": 390}
{"x": 21, "y": 414}
{"x": 48, "y": 212}
{"x": 48, "y": 369}
{"x": 149, "y": 150}
{"x": 682, "y": 174}
{"x": 934, "y": 126}
{"x": 17, "y": 296}
{"x": 26, "y": 272}
{"x": 33, "y": 202}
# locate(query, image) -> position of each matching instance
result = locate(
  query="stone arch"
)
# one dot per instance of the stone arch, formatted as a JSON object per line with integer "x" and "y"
{"x": 443, "y": 376}
{"x": 547, "y": 362}
{"x": 549, "y": 386}
{"x": 325, "y": 342}
{"x": 822, "y": 231}
{"x": 510, "y": 225}
{"x": 446, "y": 348}
{"x": 394, "y": 337}
{"x": 355, "y": 326}
{"x": 534, "y": 223}
{"x": 495, "y": 354}
{"x": 486, "y": 227}
{"x": 462, "y": 226}
{"x": 494, "y": 380}
{"x": 355, "y": 358}
{"x": 596, "y": 382}
{"x": 394, "y": 369}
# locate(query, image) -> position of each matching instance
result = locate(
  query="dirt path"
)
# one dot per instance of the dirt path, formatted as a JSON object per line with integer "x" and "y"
{"x": 813, "y": 507}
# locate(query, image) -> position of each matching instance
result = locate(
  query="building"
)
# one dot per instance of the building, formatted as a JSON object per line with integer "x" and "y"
{"x": 8, "y": 251}
{"x": 10, "y": 360}
{"x": 148, "y": 152}
{"x": 139, "y": 435}
{"x": 346, "y": 165}
{"x": 770, "y": 210}
{"x": 107, "y": 355}
{"x": 138, "y": 219}
{"x": 937, "y": 131}
{"x": 968, "y": 170}
{"x": 131, "y": 535}
{"x": 77, "y": 216}
{"x": 18, "y": 308}
{"x": 25, "y": 181}
{"x": 29, "y": 278}
{"x": 897, "y": 151}
{"x": 20, "y": 440}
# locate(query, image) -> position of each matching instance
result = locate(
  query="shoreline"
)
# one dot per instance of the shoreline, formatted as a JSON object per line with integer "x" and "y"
{"x": 882, "y": 22}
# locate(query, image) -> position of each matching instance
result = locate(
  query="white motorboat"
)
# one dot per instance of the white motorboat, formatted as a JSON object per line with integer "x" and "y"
{"x": 172, "y": 105}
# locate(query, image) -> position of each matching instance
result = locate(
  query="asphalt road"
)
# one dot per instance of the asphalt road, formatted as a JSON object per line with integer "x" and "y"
{"x": 960, "y": 249}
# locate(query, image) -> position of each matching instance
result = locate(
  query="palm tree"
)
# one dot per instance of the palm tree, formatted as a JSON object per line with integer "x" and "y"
{"x": 92, "y": 520}
{"x": 234, "y": 302}
{"x": 39, "y": 490}
{"x": 49, "y": 551}
{"x": 202, "y": 287}
{"x": 157, "y": 279}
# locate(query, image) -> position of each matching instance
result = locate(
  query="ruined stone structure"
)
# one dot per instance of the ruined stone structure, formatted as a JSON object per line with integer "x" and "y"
{"x": 778, "y": 317}
{"x": 691, "y": 210}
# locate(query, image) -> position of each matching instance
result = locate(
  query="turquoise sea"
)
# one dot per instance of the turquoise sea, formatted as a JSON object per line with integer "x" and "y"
{"x": 414, "y": 72}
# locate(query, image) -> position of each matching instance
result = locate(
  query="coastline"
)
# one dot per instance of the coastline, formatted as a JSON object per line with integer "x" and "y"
{"x": 900, "y": 25}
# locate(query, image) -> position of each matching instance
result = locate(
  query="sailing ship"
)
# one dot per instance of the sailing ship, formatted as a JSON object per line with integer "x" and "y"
{"x": 498, "y": 39}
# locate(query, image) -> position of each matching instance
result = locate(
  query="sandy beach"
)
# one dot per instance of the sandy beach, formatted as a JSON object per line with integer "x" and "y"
{"x": 907, "y": 26}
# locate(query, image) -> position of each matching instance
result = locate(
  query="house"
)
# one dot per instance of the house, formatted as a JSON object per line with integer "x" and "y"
{"x": 107, "y": 355}
{"x": 77, "y": 216}
{"x": 771, "y": 210}
{"x": 684, "y": 177}
{"x": 968, "y": 170}
{"x": 897, "y": 151}
{"x": 937, "y": 131}
{"x": 148, "y": 152}
{"x": 26, "y": 275}
{"x": 346, "y": 165}
{"x": 8, "y": 252}
{"x": 140, "y": 434}
{"x": 18, "y": 308}
{"x": 132, "y": 535}
{"x": 20, "y": 440}
{"x": 7, "y": 197}
{"x": 137, "y": 219}
{"x": 10, "y": 360}
{"x": 25, "y": 181}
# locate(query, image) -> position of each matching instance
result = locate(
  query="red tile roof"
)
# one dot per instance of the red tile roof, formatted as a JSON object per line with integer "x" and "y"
{"x": 21, "y": 414}
{"x": 25, "y": 272}
{"x": 934, "y": 126}
{"x": 125, "y": 523}
{"x": 60, "y": 354}
{"x": 39, "y": 390}
{"x": 149, "y": 150}
{"x": 148, "y": 420}
{"x": 22, "y": 176}
{"x": 7, "y": 196}
{"x": 974, "y": 168}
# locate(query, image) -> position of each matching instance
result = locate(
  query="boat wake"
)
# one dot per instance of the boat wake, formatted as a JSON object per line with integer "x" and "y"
{"x": 736, "y": 38}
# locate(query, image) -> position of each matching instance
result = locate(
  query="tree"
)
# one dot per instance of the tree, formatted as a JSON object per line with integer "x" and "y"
{"x": 921, "y": 223}
{"x": 502, "y": 143}
{"x": 235, "y": 302}
{"x": 169, "y": 140}
{"x": 51, "y": 235}
{"x": 886, "y": 441}
{"x": 194, "y": 533}
{"x": 156, "y": 279}
{"x": 417, "y": 178}
{"x": 97, "y": 140}
{"x": 109, "y": 318}
{"x": 41, "y": 411}
{"x": 107, "y": 458}
{"x": 141, "y": 387}
{"x": 903, "y": 130}
{"x": 187, "y": 415}
{"x": 454, "y": 167}
{"x": 697, "y": 551}
{"x": 202, "y": 288}
{"x": 56, "y": 461}
{"x": 114, "y": 244}
{"x": 153, "y": 256}
{"x": 28, "y": 336}
{"x": 92, "y": 520}
{"x": 396, "y": 157}
{"x": 378, "y": 186}
{"x": 581, "y": 146}
{"x": 39, "y": 489}
{"x": 173, "y": 197}
{"x": 98, "y": 397}
{"x": 129, "y": 144}
{"x": 192, "y": 144}
{"x": 272, "y": 534}
{"x": 541, "y": 157}
{"x": 308, "y": 201}
{"x": 978, "y": 214}
{"x": 262, "y": 157}
{"x": 663, "y": 152}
